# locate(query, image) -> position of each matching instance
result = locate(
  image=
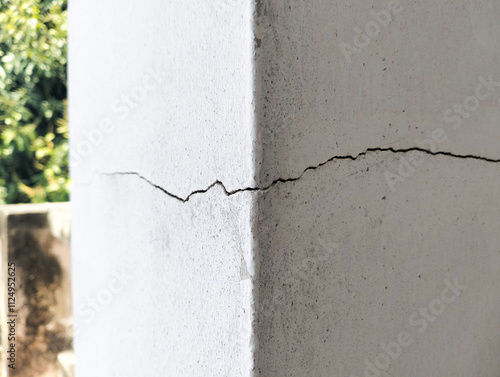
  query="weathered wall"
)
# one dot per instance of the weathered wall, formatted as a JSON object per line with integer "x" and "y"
{"x": 335, "y": 161}
{"x": 347, "y": 267}
{"x": 317, "y": 101}
{"x": 369, "y": 235}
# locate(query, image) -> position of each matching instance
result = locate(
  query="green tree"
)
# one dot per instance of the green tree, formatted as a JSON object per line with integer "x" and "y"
{"x": 33, "y": 123}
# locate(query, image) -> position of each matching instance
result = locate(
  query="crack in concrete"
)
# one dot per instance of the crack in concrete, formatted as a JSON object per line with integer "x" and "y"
{"x": 283, "y": 180}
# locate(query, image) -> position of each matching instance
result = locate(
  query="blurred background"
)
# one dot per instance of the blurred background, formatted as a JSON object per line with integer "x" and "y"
{"x": 33, "y": 123}
{"x": 34, "y": 188}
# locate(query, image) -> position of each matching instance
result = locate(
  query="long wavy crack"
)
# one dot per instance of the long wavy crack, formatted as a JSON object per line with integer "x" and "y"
{"x": 283, "y": 180}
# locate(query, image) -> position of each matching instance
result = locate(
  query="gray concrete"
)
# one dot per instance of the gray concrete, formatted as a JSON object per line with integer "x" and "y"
{"x": 343, "y": 272}
{"x": 352, "y": 249}
{"x": 314, "y": 103}
{"x": 285, "y": 189}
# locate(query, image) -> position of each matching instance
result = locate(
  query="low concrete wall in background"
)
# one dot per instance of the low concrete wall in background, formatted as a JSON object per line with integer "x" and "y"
{"x": 36, "y": 289}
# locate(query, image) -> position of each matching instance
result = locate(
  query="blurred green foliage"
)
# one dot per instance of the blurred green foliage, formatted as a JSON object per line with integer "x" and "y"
{"x": 33, "y": 122}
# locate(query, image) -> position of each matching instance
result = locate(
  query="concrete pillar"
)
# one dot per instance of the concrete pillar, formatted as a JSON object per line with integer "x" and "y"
{"x": 271, "y": 188}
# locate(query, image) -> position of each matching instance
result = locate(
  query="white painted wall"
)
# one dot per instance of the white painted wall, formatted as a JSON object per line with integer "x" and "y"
{"x": 171, "y": 84}
{"x": 164, "y": 90}
{"x": 375, "y": 171}
{"x": 162, "y": 287}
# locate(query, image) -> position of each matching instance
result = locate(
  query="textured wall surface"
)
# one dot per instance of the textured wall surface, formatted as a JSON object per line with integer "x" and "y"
{"x": 322, "y": 96}
{"x": 347, "y": 267}
{"x": 286, "y": 188}
{"x": 358, "y": 250}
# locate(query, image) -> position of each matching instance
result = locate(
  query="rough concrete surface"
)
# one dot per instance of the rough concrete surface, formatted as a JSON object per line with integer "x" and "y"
{"x": 313, "y": 103}
{"x": 345, "y": 263}
{"x": 310, "y": 189}
{"x": 350, "y": 250}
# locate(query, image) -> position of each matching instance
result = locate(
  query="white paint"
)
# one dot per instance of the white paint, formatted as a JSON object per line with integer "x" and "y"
{"x": 162, "y": 88}
{"x": 195, "y": 120}
{"x": 185, "y": 309}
